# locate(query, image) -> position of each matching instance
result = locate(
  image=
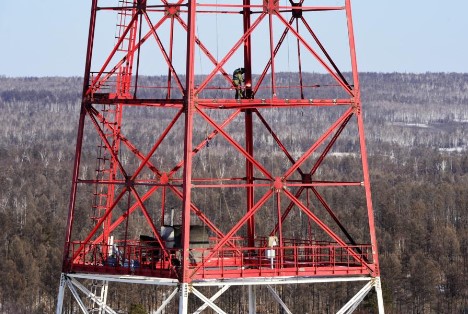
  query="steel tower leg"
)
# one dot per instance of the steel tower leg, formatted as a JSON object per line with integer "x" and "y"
{"x": 61, "y": 294}
{"x": 252, "y": 300}
{"x": 378, "y": 289}
{"x": 183, "y": 298}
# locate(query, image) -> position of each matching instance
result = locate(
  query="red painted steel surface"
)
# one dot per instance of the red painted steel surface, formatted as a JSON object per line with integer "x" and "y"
{"x": 139, "y": 181}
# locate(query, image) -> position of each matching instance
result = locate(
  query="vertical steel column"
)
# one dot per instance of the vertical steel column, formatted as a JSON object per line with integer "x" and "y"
{"x": 163, "y": 206}
{"x": 247, "y": 50}
{"x": 252, "y": 300}
{"x": 270, "y": 7}
{"x": 113, "y": 167}
{"x": 249, "y": 176}
{"x": 79, "y": 138}
{"x": 104, "y": 290}
{"x": 189, "y": 103}
{"x": 61, "y": 293}
{"x": 365, "y": 165}
{"x": 378, "y": 290}
{"x": 183, "y": 298}
{"x": 122, "y": 90}
{"x": 248, "y": 122}
{"x": 171, "y": 48}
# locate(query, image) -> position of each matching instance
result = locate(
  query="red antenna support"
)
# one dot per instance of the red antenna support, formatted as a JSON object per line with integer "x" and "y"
{"x": 208, "y": 176}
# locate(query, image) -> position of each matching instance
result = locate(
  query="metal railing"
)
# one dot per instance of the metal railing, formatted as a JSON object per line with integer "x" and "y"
{"x": 301, "y": 258}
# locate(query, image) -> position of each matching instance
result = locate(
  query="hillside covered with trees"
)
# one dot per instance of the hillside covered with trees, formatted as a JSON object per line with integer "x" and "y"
{"x": 417, "y": 140}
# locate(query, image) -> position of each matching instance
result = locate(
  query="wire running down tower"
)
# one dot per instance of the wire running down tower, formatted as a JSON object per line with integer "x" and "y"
{"x": 193, "y": 174}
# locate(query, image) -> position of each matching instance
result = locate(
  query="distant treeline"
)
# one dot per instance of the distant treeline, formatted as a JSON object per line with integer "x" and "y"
{"x": 417, "y": 139}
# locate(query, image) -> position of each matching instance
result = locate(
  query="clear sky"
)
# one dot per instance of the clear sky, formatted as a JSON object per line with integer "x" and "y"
{"x": 48, "y": 37}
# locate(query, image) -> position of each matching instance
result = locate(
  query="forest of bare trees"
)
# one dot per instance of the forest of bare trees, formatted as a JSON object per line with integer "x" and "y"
{"x": 417, "y": 140}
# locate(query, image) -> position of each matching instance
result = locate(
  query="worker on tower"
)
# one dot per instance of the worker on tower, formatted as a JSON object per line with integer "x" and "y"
{"x": 238, "y": 81}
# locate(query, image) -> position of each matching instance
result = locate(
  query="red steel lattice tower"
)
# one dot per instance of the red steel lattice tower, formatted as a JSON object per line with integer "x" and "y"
{"x": 230, "y": 151}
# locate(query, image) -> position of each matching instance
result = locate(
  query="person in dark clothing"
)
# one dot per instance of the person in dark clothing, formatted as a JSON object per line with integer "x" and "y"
{"x": 238, "y": 80}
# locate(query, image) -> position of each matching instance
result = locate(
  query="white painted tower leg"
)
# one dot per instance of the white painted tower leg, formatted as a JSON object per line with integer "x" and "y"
{"x": 378, "y": 289}
{"x": 61, "y": 294}
{"x": 252, "y": 300}
{"x": 183, "y": 298}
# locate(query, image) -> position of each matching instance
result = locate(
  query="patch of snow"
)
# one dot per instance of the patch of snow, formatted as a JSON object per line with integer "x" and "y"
{"x": 418, "y": 125}
{"x": 457, "y": 149}
{"x": 338, "y": 154}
